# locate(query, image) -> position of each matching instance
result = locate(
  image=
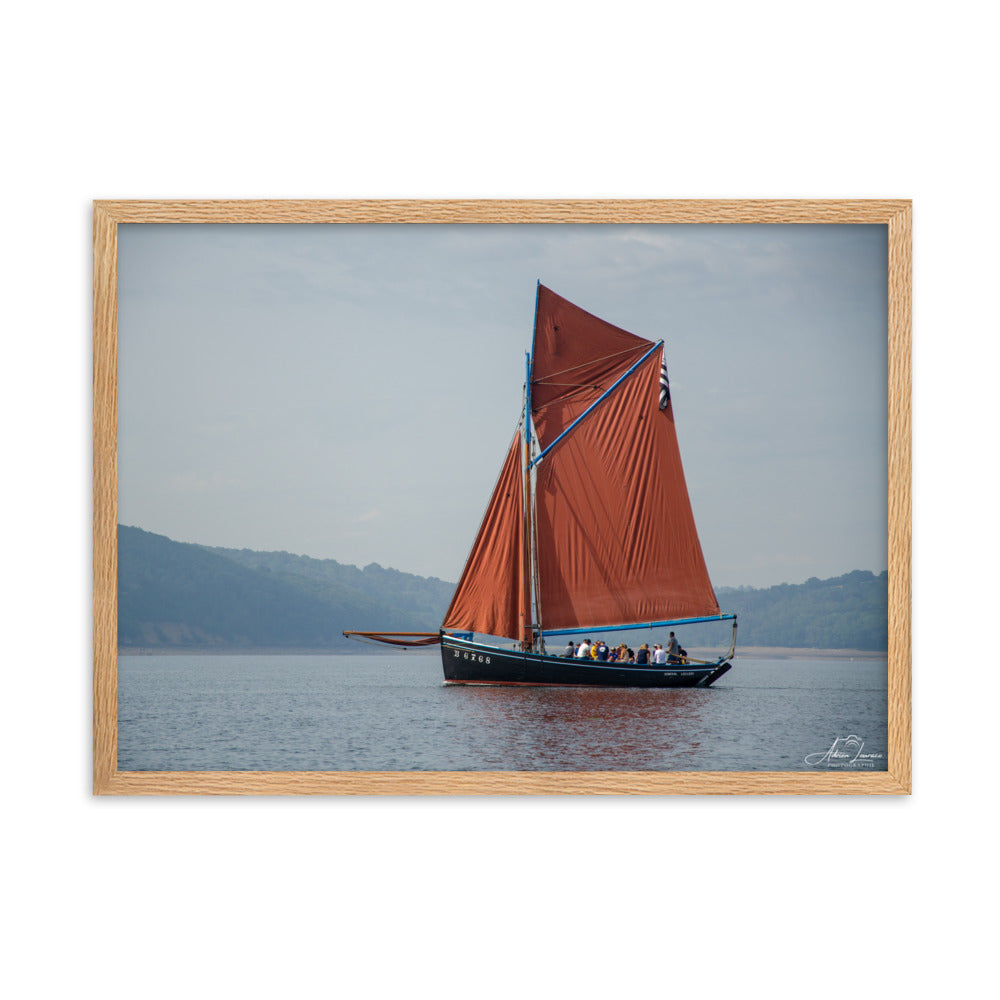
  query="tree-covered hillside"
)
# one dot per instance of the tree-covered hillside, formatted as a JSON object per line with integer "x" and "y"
{"x": 408, "y": 595}
{"x": 174, "y": 595}
{"x": 846, "y": 612}
{"x": 177, "y": 595}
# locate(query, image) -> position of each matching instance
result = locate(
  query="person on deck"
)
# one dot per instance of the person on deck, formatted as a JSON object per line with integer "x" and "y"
{"x": 642, "y": 657}
{"x": 659, "y": 655}
{"x": 602, "y": 650}
{"x": 570, "y": 650}
{"x": 673, "y": 650}
{"x": 583, "y": 650}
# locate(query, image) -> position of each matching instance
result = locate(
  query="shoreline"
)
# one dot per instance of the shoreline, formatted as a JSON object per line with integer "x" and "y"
{"x": 805, "y": 653}
{"x": 746, "y": 652}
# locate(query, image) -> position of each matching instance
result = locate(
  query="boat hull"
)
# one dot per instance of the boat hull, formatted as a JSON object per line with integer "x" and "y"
{"x": 468, "y": 662}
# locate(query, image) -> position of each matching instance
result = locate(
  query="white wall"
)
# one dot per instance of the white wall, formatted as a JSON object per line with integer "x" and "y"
{"x": 822, "y": 898}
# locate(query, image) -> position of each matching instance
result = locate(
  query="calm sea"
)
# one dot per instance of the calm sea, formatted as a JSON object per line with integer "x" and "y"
{"x": 394, "y": 713}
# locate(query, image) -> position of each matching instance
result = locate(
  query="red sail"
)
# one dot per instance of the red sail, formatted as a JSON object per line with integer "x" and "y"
{"x": 616, "y": 539}
{"x": 490, "y": 597}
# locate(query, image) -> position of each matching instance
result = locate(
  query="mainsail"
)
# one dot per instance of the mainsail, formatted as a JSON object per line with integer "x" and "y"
{"x": 612, "y": 534}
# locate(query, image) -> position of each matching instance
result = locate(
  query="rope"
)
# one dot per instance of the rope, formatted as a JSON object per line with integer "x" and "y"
{"x": 578, "y": 386}
{"x": 586, "y": 364}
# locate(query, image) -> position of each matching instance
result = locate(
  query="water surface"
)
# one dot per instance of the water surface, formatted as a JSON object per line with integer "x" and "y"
{"x": 395, "y": 713}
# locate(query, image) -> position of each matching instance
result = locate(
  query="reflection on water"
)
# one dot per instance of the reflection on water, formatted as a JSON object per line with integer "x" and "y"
{"x": 588, "y": 728}
{"x": 366, "y": 713}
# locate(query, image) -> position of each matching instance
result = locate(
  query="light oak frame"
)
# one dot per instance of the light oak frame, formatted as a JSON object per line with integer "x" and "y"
{"x": 108, "y": 780}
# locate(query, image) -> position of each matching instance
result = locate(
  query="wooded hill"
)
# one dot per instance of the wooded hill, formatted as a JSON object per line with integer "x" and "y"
{"x": 846, "y": 612}
{"x": 174, "y": 595}
{"x": 178, "y": 595}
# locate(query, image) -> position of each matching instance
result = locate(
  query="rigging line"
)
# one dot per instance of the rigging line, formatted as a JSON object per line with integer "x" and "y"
{"x": 571, "y": 385}
{"x": 568, "y": 397}
{"x": 574, "y": 388}
{"x": 597, "y": 402}
{"x": 585, "y": 364}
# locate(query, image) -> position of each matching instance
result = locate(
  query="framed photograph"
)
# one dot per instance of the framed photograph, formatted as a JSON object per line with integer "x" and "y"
{"x": 502, "y": 497}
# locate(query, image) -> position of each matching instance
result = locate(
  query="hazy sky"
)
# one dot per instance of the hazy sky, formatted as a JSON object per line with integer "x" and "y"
{"x": 349, "y": 392}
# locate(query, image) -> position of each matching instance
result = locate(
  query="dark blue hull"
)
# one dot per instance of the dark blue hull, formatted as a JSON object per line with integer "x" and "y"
{"x": 476, "y": 663}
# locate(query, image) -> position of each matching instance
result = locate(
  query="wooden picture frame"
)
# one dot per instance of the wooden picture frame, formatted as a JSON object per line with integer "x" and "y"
{"x": 108, "y": 780}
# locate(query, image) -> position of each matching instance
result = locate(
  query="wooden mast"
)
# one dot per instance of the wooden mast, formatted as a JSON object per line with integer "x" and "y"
{"x": 527, "y": 632}
{"x": 527, "y": 553}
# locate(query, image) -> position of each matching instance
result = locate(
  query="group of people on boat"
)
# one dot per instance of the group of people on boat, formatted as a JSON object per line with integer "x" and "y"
{"x": 600, "y": 651}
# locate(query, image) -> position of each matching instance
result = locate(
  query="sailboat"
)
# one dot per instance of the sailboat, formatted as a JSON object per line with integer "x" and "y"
{"x": 589, "y": 529}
